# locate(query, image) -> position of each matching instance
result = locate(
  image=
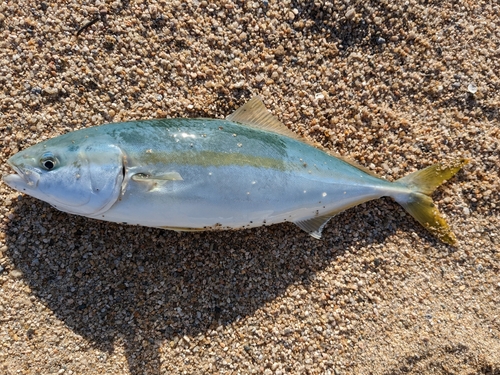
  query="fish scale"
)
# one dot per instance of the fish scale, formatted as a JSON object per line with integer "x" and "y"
{"x": 231, "y": 177}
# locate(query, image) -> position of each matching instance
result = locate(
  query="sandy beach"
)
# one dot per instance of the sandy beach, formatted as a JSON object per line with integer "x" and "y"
{"x": 395, "y": 86}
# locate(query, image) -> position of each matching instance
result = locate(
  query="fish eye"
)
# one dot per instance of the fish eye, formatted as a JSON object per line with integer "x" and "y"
{"x": 48, "y": 161}
{"x": 48, "y": 164}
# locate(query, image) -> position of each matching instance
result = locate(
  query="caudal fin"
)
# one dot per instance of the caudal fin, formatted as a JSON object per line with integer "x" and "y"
{"x": 419, "y": 204}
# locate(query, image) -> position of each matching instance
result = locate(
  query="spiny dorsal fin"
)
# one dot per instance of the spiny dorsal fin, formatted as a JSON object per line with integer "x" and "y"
{"x": 255, "y": 114}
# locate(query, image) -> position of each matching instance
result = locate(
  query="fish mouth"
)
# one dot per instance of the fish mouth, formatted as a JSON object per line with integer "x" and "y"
{"x": 24, "y": 179}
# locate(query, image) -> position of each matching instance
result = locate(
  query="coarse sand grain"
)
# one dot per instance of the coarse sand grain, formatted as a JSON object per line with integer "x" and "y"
{"x": 393, "y": 85}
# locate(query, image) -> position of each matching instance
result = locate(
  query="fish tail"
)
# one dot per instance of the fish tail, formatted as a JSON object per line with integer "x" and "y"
{"x": 418, "y": 202}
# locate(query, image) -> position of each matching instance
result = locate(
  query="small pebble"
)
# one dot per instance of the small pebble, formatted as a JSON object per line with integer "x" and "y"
{"x": 472, "y": 88}
{"x": 16, "y": 274}
{"x": 351, "y": 12}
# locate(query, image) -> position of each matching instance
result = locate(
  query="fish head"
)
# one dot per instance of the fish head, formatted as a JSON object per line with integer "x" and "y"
{"x": 79, "y": 175}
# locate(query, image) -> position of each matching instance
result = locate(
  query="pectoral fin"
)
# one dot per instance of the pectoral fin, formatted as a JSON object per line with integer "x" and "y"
{"x": 146, "y": 177}
{"x": 156, "y": 181}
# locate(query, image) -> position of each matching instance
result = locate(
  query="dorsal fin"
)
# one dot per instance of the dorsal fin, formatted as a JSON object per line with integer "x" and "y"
{"x": 255, "y": 114}
{"x": 352, "y": 163}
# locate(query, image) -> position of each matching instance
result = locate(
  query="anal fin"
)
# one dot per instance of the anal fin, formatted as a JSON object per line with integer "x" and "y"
{"x": 315, "y": 225}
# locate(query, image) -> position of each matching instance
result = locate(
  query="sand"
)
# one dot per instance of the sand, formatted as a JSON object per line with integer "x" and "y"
{"x": 396, "y": 86}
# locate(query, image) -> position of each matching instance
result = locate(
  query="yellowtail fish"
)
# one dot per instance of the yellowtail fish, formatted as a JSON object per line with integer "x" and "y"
{"x": 245, "y": 171}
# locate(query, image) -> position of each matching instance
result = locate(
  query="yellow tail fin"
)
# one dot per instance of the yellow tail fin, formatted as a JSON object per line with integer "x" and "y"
{"x": 419, "y": 204}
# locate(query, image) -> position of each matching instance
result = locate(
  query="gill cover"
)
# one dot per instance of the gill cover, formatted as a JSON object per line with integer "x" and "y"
{"x": 77, "y": 177}
{"x": 90, "y": 183}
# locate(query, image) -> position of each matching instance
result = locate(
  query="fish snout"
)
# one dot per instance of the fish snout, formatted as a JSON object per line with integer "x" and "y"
{"x": 23, "y": 176}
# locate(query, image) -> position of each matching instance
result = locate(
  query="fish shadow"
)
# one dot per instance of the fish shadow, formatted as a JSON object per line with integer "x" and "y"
{"x": 141, "y": 287}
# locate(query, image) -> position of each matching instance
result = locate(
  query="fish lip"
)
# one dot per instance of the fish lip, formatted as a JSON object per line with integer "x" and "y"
{"x": 11, "y": 177}
{"x": 27, "y": 176}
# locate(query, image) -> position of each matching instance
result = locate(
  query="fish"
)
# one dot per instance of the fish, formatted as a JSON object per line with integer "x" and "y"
{"x": 198, "y": 174}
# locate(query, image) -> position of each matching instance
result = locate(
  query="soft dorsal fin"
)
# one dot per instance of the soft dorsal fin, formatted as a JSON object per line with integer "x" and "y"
{"x": 255, "y": 114}
{"x": 352, "y": 163}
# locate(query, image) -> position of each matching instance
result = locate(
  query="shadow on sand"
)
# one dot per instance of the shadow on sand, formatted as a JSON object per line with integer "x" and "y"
{"x": 142, "y": 286}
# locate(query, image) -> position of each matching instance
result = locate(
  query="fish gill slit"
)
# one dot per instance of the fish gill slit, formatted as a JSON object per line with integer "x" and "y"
{"x": 124, "y": 174}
